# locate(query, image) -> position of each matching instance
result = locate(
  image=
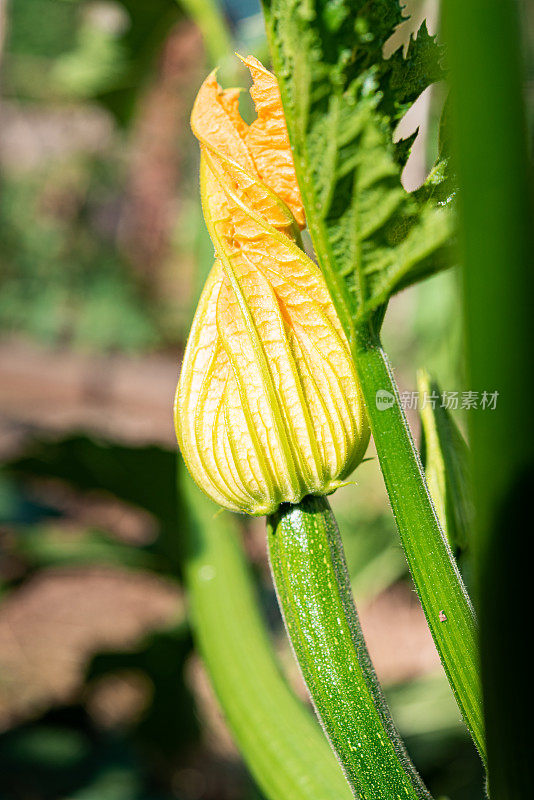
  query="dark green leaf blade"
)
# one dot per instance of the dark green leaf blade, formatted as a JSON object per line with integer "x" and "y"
{"x": 496, "y": 190}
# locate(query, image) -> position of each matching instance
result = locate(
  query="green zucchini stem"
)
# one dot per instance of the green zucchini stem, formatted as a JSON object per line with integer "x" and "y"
{"x": 311, "y": 580}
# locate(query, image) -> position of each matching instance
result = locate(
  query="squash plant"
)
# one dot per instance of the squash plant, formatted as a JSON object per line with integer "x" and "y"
{"x": 285, "y": 369}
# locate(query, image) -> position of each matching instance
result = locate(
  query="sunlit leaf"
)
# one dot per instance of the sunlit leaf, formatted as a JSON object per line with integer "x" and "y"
{"x": 342, "y": 100}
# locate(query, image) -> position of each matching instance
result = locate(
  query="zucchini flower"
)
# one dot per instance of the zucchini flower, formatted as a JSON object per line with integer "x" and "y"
{"x": 268, "y": 407}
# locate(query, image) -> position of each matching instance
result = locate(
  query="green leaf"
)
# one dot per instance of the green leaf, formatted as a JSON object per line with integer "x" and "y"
{"x": 311, "y": 579}
{"x": 342, "y": 99}
{"x": 281, "y": 742}
{"x": 445, "y": 457}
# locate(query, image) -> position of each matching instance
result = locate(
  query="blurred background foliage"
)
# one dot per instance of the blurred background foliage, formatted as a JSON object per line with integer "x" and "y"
{"x": 103, "y": 254}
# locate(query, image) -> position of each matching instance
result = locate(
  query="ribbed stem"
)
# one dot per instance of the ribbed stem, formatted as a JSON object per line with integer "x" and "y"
{"x": 435, "y": 574}
{"x": 312, "y": 584}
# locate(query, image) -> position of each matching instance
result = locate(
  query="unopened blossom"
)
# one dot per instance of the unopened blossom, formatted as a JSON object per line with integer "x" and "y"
{"x": 268, "y": 407}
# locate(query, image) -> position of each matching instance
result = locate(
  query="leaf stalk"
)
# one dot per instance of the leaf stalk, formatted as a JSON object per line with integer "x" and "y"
{"x": 436, "y": 577}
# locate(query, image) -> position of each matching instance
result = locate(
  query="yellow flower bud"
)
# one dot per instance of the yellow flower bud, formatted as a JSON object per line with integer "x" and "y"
{"x": 268, "y": 407}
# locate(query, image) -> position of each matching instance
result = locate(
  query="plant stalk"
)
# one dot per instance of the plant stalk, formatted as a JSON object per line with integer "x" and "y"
{"x": 313, "y": 588}
{"x": 437, "y": 580}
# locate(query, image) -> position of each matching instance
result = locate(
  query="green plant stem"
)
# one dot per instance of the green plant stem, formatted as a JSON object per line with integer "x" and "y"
{"x": 311, "y": 580}
{"x": 209, "y": 17}
{"x": 280, "y": 740}
{"x": 496, "y": 212}
{"x": 434, "y": 571}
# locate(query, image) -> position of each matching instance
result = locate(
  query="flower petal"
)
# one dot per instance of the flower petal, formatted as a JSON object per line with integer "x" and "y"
{"x": 268, "y": 139}
{"x": 268, "y": 406}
